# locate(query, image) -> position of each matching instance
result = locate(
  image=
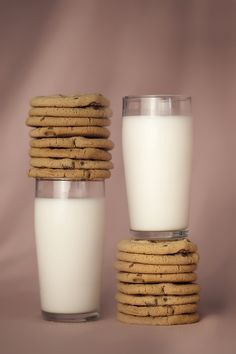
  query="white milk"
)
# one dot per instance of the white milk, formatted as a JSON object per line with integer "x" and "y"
{"x": 69, "y": 239}
{"x": 157, "y": 161}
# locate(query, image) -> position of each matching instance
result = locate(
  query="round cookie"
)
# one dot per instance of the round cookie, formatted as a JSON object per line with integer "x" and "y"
{"x": 93, "y": 132}
{"x": 74, "y": 142}
{"x": 94, "y": 112}
{"x": 132, "y": 267}
{"x": 70, "y": 163}
{"x": 79, "y": 100}
{"x": 158, "y": 289}
{"x": 84, "y": 154}
{"x": 38, "y": 121}
{"x": 149, "y": 300}
{"x": 179, "y": 258}
{"x": 159, "y": 321}
{"x": 157, "y": 247}
{"x": 86, "y": 175}
{"x": 168, "y": 310}
{"x": 139, "y": 278}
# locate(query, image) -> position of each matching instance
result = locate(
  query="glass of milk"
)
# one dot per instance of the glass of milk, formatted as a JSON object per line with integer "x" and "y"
{"x": 157, "y": 153}
{"x": 69, "y": 230}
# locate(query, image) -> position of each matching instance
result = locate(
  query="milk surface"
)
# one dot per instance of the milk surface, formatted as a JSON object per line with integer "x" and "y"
{"x": 157, "y": 161}
{"x": 69, "y": 239}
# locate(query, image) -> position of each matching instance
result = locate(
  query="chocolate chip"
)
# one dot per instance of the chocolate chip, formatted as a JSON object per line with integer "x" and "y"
{"x": 184, "y": 254}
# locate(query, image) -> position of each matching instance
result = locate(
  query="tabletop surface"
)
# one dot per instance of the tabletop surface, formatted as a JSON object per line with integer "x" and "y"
{"x": 22, "y": 330}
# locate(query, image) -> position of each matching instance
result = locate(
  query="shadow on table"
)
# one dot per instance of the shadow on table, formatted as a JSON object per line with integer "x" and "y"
{"x": 216, "y": 296}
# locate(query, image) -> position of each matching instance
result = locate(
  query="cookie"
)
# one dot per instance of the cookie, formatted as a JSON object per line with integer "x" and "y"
{"x": 71, "y": 164}
{"x": 159, "y": 321}
{"x": 131, "y": 267}
{"x": 179, "y": 258}
{"x": 74, "y": 142}
{"x": 153, "y": 311}
{"x": 157, "y": 247}
{"x": 158, "y": 289}
{"x": 139, "y": 278}
{"x": 66, "y": 122}
{"x": 84, "y": 154}
{"x": 71, "y": 112}
{"x": 79, "y": 100}
{"x": 86, "y": 175}
{"x": 93, "y": 132}
{"x": 148, "y": 300}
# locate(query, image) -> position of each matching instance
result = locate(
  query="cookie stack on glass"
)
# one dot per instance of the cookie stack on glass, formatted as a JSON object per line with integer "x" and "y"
{"x": 70, "y": 139}
{"x": 156, "y": 282}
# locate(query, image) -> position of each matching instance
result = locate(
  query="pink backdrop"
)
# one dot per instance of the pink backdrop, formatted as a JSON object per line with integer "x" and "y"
{"x": 119, "y": 48}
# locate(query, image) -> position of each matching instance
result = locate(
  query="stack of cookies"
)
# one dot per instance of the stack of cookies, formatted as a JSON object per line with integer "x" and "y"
{"x": 70, "y": 137}
{"x": 156, "y": 282}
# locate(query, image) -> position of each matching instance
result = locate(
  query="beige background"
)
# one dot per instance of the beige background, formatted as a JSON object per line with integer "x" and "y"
{"x": 120, "y": 48}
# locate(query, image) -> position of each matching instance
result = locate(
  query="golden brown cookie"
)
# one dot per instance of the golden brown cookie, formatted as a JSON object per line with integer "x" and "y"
{"x": 159, "y": 321}
{"x": 73, "y": 142}
{"x": 159, "y": 300}
{"x": 38, "y": 121}
{"x": 95, "y": 112}
{"x": 179, "y": 258}
{"x": 63, "y": 132}
{"x": 157, "y": 247}
{"x": 132, "y": 267}
{"x": 85, "y": 175}
{"x": 158, "y": 289}
{"x": 79, "y": 100}
{"x": 140, "y": 278}
{"x": 153, "y": 311}
{"x": 70, "y": 163}
{"x": 83, "y": 154}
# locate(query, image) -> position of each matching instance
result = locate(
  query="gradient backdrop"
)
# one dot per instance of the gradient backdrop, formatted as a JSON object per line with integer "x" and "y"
{"x": 119, "y": 48}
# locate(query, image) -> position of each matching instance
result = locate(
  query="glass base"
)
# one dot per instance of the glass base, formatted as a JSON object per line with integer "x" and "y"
{"x": 159, "y": 235}
{"x": 71, "y": 317}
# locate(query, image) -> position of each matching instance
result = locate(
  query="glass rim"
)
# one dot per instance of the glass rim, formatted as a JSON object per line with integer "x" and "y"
{"x": 179, "y": 97}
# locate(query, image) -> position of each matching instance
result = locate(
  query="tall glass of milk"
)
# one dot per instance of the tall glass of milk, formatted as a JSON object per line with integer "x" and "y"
{"x": 157, "y": 152}
{"x": 69, "y": 230}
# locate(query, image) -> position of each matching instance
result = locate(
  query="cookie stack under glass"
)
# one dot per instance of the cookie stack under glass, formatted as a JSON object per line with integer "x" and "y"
{"x": 70, "y": 138}
{"x": 156, "y": 282}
